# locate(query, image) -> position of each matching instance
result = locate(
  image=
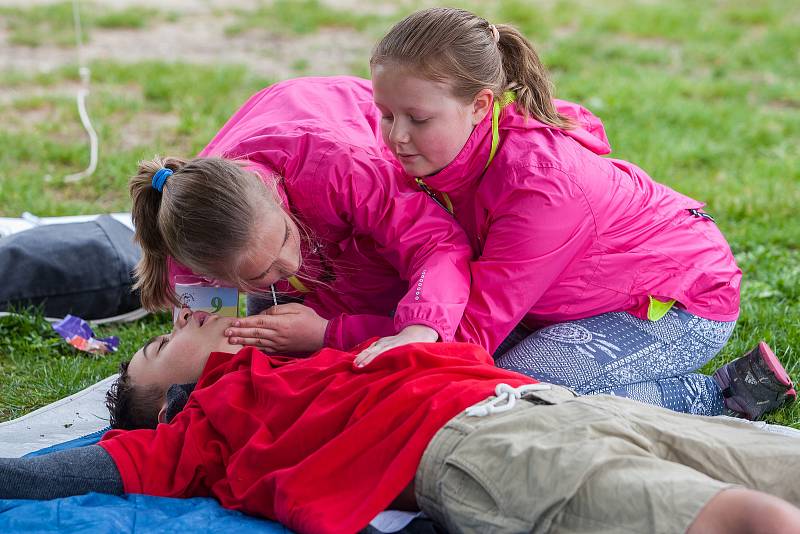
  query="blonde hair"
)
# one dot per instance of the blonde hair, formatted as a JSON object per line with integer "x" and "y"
{"x": 203, "y": 217}
{"x": 458, "y": 47}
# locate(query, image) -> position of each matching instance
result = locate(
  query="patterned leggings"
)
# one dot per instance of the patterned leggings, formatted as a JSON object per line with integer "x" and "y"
{"x": 619, "y": 354}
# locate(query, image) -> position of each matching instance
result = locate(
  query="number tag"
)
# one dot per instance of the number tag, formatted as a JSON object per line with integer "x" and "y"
{"x": 220, "y": 300}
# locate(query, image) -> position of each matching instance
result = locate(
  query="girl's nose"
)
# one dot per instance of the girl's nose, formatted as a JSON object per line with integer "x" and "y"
{"x": 398, "y": 134}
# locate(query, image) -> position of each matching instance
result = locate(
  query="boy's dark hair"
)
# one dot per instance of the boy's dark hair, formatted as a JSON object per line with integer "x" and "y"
{"x": 130, "y": 406}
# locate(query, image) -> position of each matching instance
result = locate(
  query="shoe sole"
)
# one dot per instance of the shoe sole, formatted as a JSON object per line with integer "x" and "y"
{"x": 723, "y": 379}
{"x": 776, "y": 367}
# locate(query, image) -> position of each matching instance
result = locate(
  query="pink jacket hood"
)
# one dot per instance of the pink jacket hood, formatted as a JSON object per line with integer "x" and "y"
{"x": 588, "y": 130}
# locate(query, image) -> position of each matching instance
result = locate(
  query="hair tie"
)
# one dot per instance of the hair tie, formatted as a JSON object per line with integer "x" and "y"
{"x": 160, "y": 177}
{"x": 495, "y": 33}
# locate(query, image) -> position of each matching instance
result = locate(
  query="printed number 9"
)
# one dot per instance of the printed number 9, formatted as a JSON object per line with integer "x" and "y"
{"x": 216, "y": 303}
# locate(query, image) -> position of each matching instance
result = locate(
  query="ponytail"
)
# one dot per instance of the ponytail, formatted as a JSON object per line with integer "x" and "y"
{"x": 528, "y": 78}
{"x": 203, "y": 217}
{"x": 151, "y": 272}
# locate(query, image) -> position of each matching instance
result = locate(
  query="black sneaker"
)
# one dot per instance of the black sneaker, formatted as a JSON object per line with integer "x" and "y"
{"x": 755, "y": 384}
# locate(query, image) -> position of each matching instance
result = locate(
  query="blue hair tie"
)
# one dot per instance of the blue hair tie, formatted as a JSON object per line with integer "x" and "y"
{"x": 160, "y": 177}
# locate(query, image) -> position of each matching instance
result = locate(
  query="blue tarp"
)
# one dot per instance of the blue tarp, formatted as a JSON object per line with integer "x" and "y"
{"x": 96, "y": 513}
{"x": 110, "y": 514}
{"x": 83, "y": 441}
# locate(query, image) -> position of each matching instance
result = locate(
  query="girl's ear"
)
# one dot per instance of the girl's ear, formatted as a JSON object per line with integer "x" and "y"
{"x": 481, "y": 105}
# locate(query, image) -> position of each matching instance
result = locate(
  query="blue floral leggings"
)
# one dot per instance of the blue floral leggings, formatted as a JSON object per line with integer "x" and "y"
{"x": 619, "y": 354}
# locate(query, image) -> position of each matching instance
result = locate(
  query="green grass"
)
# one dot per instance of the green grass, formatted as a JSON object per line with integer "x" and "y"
{"x": 298, "y": 17}
{"x": 704, "y": 96}
{"x": 138, "y": 111}
{"x": 33, "y": 354}
{"x": 54, "y": 23}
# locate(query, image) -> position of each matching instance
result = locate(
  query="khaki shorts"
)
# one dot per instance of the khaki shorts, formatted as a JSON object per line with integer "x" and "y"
{"x": 556, "y": 463}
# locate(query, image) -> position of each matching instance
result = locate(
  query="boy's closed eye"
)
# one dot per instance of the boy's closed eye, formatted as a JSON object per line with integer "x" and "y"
{"x": 164, "y": 340}
{"x": 159, "y": 342}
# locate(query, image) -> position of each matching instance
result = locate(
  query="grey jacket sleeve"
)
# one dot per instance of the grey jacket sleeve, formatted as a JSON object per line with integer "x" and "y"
{"x": 60, "y": 474}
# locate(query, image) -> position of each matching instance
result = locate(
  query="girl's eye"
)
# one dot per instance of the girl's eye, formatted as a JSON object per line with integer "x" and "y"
{"x": 418, "y": 121}
{"x": 386, "y": 117}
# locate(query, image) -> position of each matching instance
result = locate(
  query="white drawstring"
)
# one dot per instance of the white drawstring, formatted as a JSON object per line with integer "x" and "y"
{"x": 504, "y": 394}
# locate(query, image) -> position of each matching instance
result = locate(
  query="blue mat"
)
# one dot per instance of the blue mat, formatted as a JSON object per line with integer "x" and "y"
{"x": 88, "y": 439}
{"x": 98, "y": 513}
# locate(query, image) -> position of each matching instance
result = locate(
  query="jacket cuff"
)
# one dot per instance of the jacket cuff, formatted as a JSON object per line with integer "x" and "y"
{"x": 399, "y": 325}
{"x": 332, "y": 337}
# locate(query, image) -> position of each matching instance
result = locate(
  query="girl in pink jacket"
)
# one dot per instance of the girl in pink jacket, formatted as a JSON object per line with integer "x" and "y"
{"x": 595, "y": 275}
{"x": 294, "y": 193}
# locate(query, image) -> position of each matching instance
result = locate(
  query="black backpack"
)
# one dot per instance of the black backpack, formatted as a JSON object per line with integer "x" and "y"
{"x": 81, "y": 268}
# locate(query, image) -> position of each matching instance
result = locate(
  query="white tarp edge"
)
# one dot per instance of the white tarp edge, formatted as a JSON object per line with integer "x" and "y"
{"x": 68, "y": 418}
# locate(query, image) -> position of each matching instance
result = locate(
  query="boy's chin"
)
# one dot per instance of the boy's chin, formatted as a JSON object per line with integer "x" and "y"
{"x": 227, "y": 347}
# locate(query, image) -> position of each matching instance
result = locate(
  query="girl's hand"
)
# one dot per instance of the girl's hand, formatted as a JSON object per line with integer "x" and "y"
{"x": 283, "y": 328}
{"x": 415, "y": 333}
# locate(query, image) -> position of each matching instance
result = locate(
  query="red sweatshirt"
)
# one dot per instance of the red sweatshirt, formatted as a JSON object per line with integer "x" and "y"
{"x": 316, "y": 443}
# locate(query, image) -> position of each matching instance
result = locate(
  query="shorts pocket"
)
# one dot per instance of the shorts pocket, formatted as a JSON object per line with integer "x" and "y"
{"x": 471, "y": 503}
{"x": 463, "y": 484}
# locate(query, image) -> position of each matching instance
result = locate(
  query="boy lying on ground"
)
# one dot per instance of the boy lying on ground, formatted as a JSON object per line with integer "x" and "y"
{"x": 323, "y": 446}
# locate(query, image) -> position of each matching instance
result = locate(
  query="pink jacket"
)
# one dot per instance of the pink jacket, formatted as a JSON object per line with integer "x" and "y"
{"x": 560, "y": 233}
{"x": 379, "y": 248}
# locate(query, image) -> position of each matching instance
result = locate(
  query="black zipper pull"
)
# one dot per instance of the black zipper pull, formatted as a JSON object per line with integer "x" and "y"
{"x": 428, "y": 191}
{"x": 698, "y": 213}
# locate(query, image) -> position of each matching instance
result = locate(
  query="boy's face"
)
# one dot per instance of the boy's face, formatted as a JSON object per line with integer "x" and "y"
{"x": 179, "y": 357}
{"x": 422, "y": 123}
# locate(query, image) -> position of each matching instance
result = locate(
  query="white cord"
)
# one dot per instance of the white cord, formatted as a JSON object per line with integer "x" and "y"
{"x": 83, "y": 92}
{"x": 505, "y": 399}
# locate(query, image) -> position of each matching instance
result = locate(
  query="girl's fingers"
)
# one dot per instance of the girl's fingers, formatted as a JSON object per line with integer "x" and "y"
{"x": 248, "y": 341}
{"x": 258, "y": 342}
{"x": 369, "y": 354}
{"x": 368, "y": 359}
{"x": 265, "y": 333}
{"x": 258, "y": 321}
{"x": 255, "y": 337}
{"x": 379, "y": 347}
